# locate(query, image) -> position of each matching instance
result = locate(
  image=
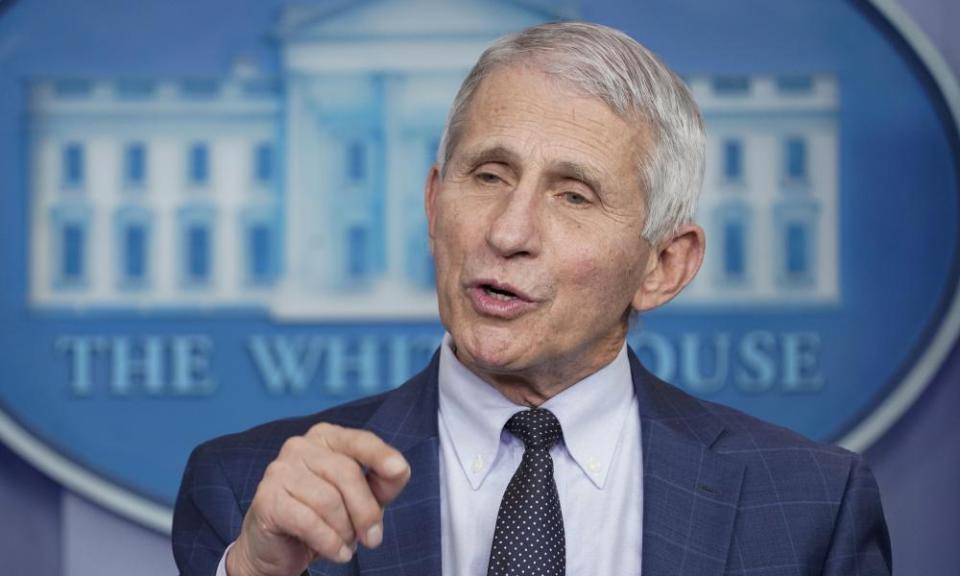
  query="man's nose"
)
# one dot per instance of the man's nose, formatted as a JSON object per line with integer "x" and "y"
{"x": 515, "y": 226}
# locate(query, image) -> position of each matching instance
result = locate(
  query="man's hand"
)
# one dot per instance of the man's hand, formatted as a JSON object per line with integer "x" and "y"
{"x": 316, "y": 501}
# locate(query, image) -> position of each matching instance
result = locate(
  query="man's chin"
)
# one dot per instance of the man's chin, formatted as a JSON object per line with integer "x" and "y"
{"x": 493, "y": 351}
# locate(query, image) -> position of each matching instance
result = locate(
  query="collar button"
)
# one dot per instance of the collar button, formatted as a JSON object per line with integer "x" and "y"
{"x": 477, "y": 466}
{"x": 593, "y": 466}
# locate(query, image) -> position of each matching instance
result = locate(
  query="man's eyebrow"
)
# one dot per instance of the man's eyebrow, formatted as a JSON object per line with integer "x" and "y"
{"x": 491, "y": 154}
{"x": 561, "y": 169}
{"x": 577, "y": 171}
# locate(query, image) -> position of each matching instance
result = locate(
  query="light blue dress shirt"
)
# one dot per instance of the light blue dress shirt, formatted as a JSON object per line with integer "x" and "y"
{"x": 597, "y": 467}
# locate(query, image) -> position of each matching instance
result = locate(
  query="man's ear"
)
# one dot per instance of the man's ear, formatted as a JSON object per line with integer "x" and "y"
{"x": 672, "y": 265}
{"x": 431, "y": 188}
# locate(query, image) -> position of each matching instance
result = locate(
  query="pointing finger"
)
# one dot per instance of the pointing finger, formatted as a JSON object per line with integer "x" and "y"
{"x": 382, "y": 461}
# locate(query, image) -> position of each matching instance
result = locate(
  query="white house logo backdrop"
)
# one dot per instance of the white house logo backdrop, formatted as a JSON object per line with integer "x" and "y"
{"x": 212, "y": 216}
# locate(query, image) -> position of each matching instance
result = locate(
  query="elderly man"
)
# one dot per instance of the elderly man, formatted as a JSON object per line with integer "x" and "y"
{"x": 535, "y": 442}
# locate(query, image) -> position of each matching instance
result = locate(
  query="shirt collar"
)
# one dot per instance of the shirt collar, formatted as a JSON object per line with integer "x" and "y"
{"x": 592, "y": 413}
{"x": 473, "y": 413}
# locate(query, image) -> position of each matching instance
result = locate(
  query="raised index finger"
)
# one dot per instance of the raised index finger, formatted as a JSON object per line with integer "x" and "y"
{"x": 386, "y": 466}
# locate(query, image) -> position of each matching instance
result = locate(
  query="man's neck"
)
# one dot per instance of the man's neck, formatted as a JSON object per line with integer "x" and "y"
{"x": 535, "y": 385}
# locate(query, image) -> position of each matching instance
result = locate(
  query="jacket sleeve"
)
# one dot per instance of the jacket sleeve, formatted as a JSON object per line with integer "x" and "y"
{"x": 207, "y": 516}
{"x": 861, "y": 543}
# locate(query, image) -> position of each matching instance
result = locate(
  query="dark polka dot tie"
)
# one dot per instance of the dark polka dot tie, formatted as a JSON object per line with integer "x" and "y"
{"x": 529, "y": 538}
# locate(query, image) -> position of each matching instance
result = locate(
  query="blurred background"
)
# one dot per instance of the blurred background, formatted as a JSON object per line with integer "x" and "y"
{"x": 211, "y": 217}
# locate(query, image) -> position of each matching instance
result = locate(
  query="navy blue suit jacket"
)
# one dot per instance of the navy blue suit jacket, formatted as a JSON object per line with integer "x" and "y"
{"x": 724, "y": 493}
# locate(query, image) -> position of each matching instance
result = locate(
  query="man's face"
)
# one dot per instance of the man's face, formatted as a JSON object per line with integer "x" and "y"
{"x": 536, "y": 229}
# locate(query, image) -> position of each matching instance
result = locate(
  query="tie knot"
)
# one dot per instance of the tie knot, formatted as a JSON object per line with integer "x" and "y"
{"x": 538, "y": 428}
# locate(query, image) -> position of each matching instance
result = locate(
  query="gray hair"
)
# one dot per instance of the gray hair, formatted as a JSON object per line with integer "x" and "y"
{"x": 607, "y": 64}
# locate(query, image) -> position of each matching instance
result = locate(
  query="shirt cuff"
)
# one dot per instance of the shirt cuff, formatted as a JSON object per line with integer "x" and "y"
{"x": 222, "y": 566}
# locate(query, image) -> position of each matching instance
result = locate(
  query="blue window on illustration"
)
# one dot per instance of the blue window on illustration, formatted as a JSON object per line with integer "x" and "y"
{"x": 357, "y": 252}
{"x": 72, "y": 262}
{"x": 733, "y": 160}
{"x": 795, "y": 84}
{"x": 734, "y": 250}
{"x": 198, "y": 253}
{"x": 199, "y": 164}
{"x": 261, "y": 88}
{"x": 796, "y": 152}
{"x": 73, "y": 165}
{"x": 135, "y": 253}
{"x": 260, "y": 252}
{"x": 263, "y": 163}
{"x": 356, "y": 161}
{"x": 135, "y": 164}
{"x": 797, "y": 251}
{"x": 731, "y": 85}
{"x": 135, "y": 89}
{"x": 72, "y": 88}
{"x": 200, "y": 88}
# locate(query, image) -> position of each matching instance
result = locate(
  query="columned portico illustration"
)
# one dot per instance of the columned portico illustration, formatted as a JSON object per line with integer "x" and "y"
{"x": 300, "y": 192}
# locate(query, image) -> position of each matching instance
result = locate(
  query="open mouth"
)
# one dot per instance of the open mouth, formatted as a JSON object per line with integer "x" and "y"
{"x": 498, "y": 293}
{"x": 500, "y": 300}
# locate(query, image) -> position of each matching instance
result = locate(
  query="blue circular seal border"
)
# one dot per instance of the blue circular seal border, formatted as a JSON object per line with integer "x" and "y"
{"x": 934, "y": 348}
{"x": 905, "y": 388}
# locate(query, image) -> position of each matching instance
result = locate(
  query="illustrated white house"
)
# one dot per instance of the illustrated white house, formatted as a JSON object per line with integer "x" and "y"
{"x": 769, "y": 202}
{"x": 301, "y": 194}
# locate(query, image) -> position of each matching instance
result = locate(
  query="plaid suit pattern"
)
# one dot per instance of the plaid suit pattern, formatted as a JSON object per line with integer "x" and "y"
{"x": 724, "y": 493}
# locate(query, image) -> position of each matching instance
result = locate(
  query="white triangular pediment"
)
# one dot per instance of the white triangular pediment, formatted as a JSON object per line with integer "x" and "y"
{"x": 373, "y": 19}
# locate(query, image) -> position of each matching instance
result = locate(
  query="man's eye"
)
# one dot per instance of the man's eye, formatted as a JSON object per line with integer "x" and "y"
{"x": 574, "y": 198}
{"x": 488, "y": 178}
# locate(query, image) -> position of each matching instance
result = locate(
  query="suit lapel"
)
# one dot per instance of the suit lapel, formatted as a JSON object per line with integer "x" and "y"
{"x": 690, "y": 493}
{"x": 407, "y": 420}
